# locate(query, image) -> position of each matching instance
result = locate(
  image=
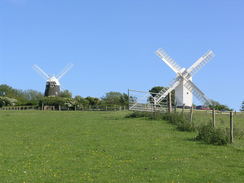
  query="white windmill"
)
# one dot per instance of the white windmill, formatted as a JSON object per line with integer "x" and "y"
{"x": 52, "y": 82}
{"x": 182, "y": 84}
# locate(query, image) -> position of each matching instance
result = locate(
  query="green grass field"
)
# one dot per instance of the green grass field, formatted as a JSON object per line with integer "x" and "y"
{"x": 102, "y": 147}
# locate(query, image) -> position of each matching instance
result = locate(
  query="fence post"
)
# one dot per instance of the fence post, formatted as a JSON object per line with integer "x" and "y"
{"x": 183, "y": 108}
{"x": 191, "y": 114}
{"x": 213, "y": 117}
{"x": 169, "y": 103}
{"x": 128, "y": 99}
{"x": 231, "y": 128}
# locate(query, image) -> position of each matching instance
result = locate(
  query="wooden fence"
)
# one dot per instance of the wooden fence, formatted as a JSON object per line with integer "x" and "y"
{"x": 20, "y": 108}
{"x": 213, "y": 120}
{"x": 61, "y": 108}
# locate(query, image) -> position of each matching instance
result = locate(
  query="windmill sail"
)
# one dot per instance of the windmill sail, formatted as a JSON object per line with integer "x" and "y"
{"x": 66, "y": 69}
{"x": 168, "y": 60}
{"x": 43, "y": 74}
{"x": 200, "y": 62}
{"x": 197, "y": 92}
{"x": 162, "y": 94}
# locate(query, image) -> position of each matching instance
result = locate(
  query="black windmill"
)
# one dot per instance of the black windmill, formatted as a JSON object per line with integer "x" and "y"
{"x": 52, "y": 82}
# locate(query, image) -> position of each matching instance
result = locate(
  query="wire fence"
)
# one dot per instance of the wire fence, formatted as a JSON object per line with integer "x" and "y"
{"x": 232, "y": 122}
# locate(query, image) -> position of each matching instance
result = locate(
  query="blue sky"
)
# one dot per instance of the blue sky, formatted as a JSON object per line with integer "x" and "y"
{"x": 113, "y": 44}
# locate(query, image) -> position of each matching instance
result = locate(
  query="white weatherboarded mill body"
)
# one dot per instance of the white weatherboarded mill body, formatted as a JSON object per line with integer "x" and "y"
{"x": 183, "y": 96}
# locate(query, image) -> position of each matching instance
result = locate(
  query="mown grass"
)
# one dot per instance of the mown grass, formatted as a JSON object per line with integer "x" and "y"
{"x": 38, "y": 146}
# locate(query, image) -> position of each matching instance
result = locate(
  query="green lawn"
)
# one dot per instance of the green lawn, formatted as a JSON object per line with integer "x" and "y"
{"x": 65, "y": 147}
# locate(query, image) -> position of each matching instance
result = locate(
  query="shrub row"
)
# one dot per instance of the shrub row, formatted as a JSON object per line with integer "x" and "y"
{"x": 206, "y": 133}
{"x": 177, "y": 119}
{"x": 138, "y": 114}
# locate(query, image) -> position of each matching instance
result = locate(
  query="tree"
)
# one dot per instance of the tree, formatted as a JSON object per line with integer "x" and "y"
{"x": 242, "y": 106}
{"x": 58, "y": 101}
{"x": 31, "y": 97}
{"x": 23, "y": 97}
{"x": 115, "y": 98}
{"x": 70, "y": 103}
{"x": 81, "y": 102}
{"x": 93, "y": 101}
{"x": 5, "y": 101}
{"x": 65, "y": 94}
{"x": 52, "y": 101}
{"x": 124, "y": 100}
{"x": 157, "y": 89}
{"x": 217, "y": 106}
{"x": 8, "y": 91}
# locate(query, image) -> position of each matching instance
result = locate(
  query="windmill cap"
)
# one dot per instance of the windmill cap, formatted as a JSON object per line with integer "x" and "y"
{"x": 53, "y": 79}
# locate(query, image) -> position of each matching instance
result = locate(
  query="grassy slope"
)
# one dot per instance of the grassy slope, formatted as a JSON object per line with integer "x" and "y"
{"x": 106, "y": 147}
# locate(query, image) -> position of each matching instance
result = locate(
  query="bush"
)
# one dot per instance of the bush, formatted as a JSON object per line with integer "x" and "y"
{"x": 178, "y": 119}
{"x": 6, "y": 101}
{"x": 138, "y": 114}
{"x": 58, "y": 101}
{"x": 211, "y": 135}
{"x": 181, "y": 121}
{"x": 185, "y": 125}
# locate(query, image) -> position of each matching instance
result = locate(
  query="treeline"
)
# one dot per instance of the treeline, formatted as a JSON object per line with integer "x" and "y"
{"x": 11, "y": 96}
{"x": 14, "y": 97}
